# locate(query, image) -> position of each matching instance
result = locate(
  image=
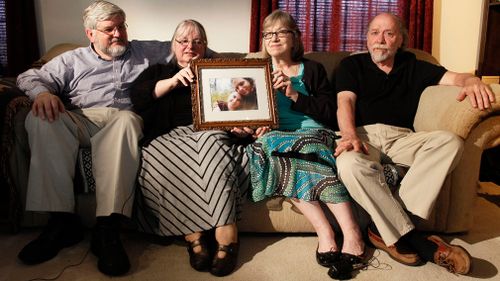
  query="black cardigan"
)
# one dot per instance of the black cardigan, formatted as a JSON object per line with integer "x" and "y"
{"x": 321, "y": 105}
{"x": 163, "y": 114}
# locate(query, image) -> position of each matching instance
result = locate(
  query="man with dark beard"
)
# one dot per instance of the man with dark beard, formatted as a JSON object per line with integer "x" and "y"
{"x": 81, "y": 99}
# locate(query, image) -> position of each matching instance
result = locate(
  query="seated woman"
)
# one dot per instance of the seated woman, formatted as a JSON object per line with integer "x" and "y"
{"x": 297, "y": 160}
{"x": 189, "y": 180}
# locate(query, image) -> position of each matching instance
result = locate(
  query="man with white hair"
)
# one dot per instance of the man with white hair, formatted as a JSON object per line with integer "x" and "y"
{"x": 378, "y": 94}
{"x": 81, "y": 99}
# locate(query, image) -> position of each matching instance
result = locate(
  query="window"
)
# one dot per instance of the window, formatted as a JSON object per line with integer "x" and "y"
{"x": 3, "y": 38}
{"x": 335, "y": 25}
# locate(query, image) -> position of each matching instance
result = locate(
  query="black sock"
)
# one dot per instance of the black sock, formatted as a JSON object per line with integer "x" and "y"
{"x": 373, "y": 228}
{"x": 419, "y": 242}
{"x": 111, "y": 221}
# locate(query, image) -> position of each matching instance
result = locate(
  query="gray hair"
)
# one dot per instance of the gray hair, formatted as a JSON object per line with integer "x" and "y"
{"x": 399, "y": 24}
{"x": 278, "y": 16}
{"x": 100, "y": 11}
{"x": 183, "y": 27}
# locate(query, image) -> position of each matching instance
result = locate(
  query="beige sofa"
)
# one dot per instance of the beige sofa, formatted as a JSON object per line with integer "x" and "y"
{"x": 438, "y": 110}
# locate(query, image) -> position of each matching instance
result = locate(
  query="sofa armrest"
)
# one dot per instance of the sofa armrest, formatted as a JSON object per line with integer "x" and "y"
{"x": 439, "y": 110}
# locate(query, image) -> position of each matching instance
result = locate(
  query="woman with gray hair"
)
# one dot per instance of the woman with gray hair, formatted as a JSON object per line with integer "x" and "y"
{"x": 189, "y": 180}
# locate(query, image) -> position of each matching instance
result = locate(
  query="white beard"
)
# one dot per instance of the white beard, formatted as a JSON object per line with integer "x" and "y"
{"x": 112, "y": 51}
{"x": 380, "y": 57}
{"x": 116, "y": 51}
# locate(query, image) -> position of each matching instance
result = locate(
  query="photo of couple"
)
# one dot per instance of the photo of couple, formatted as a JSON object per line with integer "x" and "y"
{"x": 231, "y": 94}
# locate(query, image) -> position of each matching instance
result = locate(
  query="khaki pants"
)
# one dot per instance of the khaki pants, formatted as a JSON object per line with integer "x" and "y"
{"x": 431, "y": 156}
{"x": 113, "y": 136}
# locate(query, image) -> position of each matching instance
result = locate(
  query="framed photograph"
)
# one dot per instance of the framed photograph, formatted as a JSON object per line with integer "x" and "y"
{"x": 231, "y": 93}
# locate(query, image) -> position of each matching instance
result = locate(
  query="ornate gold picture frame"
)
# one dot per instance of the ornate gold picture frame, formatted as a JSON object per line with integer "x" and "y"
{"x": 230, "y": 93}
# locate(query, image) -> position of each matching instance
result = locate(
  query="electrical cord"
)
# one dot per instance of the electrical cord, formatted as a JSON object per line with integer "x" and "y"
{"x": 63, "y": 269}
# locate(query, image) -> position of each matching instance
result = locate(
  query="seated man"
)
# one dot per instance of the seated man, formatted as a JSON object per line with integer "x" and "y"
{"x": 378, "y": 95}
{"x": 81, "y": 98}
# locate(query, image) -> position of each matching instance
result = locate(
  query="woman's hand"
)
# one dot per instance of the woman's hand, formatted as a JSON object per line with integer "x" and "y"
{"x": 282, "y": 82}
{"x": 184, "y": 77}
{"x": 259, "y": 132}
{"x": 244, "y": 132}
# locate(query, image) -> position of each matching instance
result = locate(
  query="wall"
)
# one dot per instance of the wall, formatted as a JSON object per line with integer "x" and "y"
{"x": 226, "y": 21}
{"x": 457, "y": 33}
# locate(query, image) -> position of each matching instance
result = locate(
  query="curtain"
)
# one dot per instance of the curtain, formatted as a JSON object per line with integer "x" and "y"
{"x": 418, "y": 17}
{"x": 22, "y": 39}
{"x": 340, "y": 25}
{"x": 260, "y": 9}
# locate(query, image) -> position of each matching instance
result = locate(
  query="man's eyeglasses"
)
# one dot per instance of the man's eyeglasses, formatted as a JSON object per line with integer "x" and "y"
{"x": 280, "y": 33}
{"x": 194, "y": 43}
{"x": 110, "y": 31}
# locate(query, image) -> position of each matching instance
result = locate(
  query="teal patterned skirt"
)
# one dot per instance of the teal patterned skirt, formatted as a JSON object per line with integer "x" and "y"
{"x": 295, "y": 164}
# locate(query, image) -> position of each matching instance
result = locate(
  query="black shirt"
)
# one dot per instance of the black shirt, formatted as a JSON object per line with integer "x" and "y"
{"x": 163, "y": 114}
{"x": 392, "y": 98}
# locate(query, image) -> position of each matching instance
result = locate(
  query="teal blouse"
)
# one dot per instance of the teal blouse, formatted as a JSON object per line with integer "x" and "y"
{"x": 290, "y": 119}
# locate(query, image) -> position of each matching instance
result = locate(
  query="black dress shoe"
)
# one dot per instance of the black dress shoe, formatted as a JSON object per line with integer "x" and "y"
{"x": 201, "y": 260}
{"x": 107, "y": 246}
{"x": 224, "y": 266}
{"x": 59, "y": 233}
{"x": 326, "y": 259}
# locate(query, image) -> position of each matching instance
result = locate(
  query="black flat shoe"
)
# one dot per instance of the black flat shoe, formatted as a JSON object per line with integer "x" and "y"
{"x": 326, "y": 259}
{"x": 352, "y": 259}
{"x": 342, "y": 269}
{"x": 224, "y": 266}
{"x": 201, "y": 260}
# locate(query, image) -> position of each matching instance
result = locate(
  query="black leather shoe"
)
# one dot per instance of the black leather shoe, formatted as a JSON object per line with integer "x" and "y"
{"x": 224, "y": 266}
{"x": 107, "y": 246}
{"x": 201, "y": 260}
{"x": 57, "y": 234}
{"x": 326, "y": 259}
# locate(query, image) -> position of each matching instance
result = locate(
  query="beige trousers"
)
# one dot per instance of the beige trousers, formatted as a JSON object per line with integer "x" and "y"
{"x": 431, "y": 156}
{"x": 113, "y": 136}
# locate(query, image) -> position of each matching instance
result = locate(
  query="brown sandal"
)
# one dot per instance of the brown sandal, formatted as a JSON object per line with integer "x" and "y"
{"x": 224, "y": 266}
{"x": 199, "y": 261}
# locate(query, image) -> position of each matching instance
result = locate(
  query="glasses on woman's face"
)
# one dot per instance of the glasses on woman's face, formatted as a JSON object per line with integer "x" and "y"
{"x": 280, "y": 34}
{"x": 194, "y": 43}
{"x": 110, "y": 30}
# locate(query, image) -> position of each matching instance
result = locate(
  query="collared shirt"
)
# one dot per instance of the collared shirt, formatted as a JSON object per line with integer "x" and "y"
{"x": 83, "y": 80}
{"x": 392, "y": 98}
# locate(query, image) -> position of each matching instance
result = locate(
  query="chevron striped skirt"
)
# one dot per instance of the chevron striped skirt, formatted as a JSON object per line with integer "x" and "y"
{"x": 190, "y": 181}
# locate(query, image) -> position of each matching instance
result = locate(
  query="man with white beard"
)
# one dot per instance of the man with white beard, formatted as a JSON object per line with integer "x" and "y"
{"x": 81, "y": 99}
{"x": 378, "y": 94}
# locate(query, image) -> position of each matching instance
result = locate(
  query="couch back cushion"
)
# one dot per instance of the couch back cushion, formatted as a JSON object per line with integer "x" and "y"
{"x": 330, "y": 61}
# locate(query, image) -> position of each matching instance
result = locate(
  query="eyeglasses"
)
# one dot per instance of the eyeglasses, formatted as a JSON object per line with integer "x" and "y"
{"x": 194, "y": 43}
{"x": 280, "y": 33}
{"x": 110, "y": 31}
